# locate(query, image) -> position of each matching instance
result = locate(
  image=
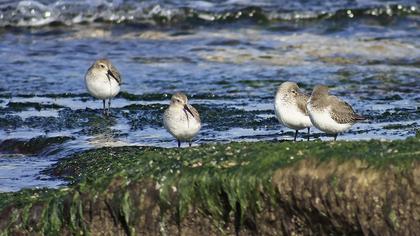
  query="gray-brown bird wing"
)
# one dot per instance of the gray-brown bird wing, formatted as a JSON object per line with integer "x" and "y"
{"x": 301, "y": 101}
{"x": 116, "y": 74}
{"x": 342, "y": 112}
{"x": 195, "y": 113}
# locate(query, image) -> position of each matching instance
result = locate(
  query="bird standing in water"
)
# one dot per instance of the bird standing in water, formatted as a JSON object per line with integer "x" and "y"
{"x": 103, "y": 81}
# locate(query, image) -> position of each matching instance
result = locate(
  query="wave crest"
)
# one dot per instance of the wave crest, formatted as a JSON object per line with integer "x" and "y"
{"x": 36, "y": 13}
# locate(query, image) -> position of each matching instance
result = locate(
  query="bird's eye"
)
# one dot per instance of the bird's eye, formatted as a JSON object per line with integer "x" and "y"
{"x": 102, "y": 66}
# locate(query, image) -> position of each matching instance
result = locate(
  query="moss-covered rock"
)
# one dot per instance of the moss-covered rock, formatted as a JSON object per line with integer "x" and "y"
{"x": 263, "y": 188}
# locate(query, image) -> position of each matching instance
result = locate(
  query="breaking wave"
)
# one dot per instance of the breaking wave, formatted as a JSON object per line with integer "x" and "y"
{"x": 65, "y": 12}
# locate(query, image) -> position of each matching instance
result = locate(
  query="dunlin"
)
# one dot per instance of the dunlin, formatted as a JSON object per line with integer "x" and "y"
{"x": 290, "y": 106}
{"x": 103, "y": 81}
{"x": 329, "y": 113}
{"x": 181, "y": 119}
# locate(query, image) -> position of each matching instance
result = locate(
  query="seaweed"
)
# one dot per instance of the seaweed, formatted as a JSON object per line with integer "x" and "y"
{"x": 224, "y": 184}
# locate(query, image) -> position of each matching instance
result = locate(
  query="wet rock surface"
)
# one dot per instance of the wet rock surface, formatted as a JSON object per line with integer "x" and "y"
{"x": 33, "y": 146}
{"x": 264, "y": 188}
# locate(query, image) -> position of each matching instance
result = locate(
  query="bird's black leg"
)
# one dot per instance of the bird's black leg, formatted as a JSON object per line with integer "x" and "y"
{"x": 179, "y": 143}
{"x": 190, "y": 143}
{"x": 309, "y": 132}
{"x": 109, "y": 106}
{"x": 103, "y": 101}
{"x": 335, "y": 136}
{"x": 296, "y": 135}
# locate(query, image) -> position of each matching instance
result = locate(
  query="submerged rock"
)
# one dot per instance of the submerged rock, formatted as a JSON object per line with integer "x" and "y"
{"x": 263, "y": 188}
{"x": 32, "y": 146}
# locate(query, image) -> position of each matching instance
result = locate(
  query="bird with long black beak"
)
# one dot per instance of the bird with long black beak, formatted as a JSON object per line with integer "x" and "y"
{"x": 103, "y": 81}
{"x": 181, "y": 119}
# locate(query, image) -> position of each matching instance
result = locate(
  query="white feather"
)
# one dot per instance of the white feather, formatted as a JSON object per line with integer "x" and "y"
{"x": 322, "y": 120}
{"x": 290, "y": 116}
{"x": 176, "y": 122}
{"x": 100, "y": 86}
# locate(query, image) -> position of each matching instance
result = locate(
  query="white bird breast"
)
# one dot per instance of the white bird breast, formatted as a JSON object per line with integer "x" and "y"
{"x": 323, "y": 121}
{"x": 101, "y": 87}
{"x": 289, "y": 115}
{"x": 176, "y": 122}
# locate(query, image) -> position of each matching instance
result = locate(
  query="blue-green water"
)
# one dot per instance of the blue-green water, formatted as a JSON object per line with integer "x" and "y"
{"x": 228, "y": 56}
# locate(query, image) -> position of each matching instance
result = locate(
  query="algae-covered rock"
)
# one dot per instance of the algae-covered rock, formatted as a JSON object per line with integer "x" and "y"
{"x": 262, "y": 188}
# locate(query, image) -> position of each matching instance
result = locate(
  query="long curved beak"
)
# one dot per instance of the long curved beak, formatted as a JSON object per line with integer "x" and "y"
{"x": 188, "y": 109}
{"x": 112, "y": 75}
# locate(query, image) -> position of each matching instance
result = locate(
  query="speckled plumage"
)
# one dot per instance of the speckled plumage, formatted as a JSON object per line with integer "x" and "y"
{"x": 329, "y": 113}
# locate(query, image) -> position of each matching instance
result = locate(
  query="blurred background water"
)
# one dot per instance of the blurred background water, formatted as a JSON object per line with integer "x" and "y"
{"x": 228, "y": 56}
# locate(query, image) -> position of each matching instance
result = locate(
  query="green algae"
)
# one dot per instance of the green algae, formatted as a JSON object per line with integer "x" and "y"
{"x": 88, "y": 119}
{"x": 401, "y": 126}
{"x": 146, "y": 97}
{"x": 19, "y": 106}
{"x": 221, "y": 181}
{"x": 65, "y": 95}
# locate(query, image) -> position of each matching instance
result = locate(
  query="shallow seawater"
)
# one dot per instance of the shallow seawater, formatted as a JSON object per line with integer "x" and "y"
{"x": 228, "y": 56}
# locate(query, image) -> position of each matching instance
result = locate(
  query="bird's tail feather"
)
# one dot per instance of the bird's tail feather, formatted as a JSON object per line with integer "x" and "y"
{"x": 359, "y": 117}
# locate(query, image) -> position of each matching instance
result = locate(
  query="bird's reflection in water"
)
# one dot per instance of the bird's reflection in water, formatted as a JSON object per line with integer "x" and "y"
{"x": 107, "y": 138}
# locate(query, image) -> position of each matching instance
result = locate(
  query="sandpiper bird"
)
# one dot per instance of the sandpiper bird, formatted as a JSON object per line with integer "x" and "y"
{"x": 329, "y": 113}
{"x": 290, "y": 106}
{"x": 181, "y": 119}
{"x": 103, "y": 81}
